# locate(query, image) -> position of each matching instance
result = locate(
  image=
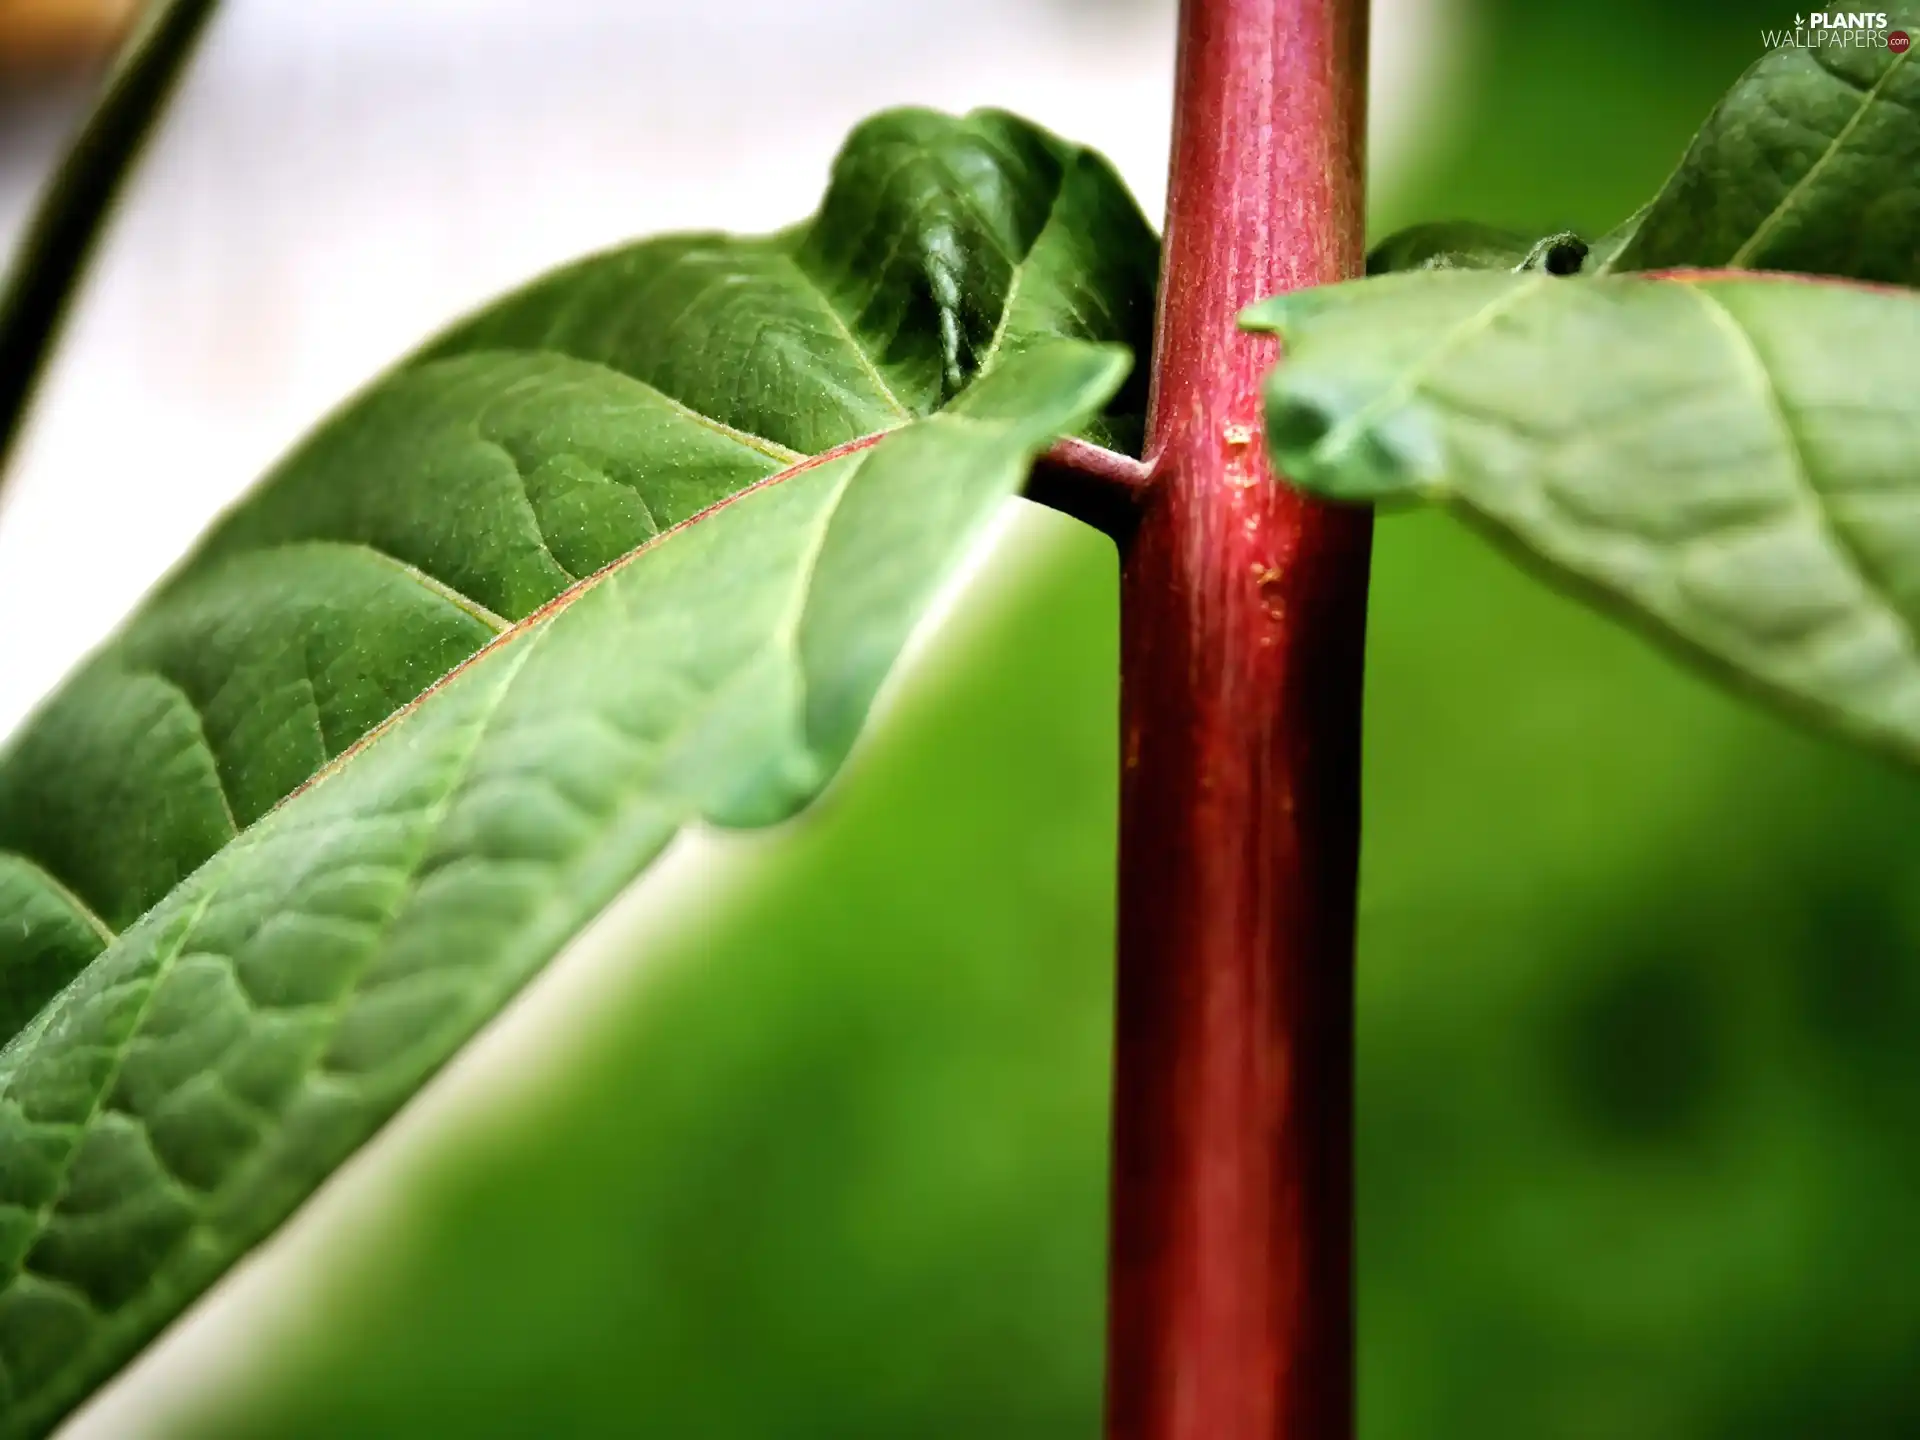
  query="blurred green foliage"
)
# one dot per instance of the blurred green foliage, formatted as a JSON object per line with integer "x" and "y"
{"x": 1639, "y": 1005}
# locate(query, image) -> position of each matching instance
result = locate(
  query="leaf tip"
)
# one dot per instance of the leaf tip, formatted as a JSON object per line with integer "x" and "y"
{"x": 1268, "y": 316}
{"x": 1318, "y": 444}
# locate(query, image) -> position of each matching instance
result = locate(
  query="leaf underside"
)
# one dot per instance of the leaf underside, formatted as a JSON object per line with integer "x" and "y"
{"x": 598, "y": 564}
{"x": 1731, "y": 458}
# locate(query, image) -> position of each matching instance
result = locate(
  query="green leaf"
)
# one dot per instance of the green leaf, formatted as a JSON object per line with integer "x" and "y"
{"x": 247, "y": 1033}
{"x": 45, "y": 271}
{"x": 530, "y": 447}
{"x": 941, "y": 245}
{"x": 630, "y": 551}
{"x": 1730, "y": 458}
{"x": 1808, "y": 164}
{"x": 1465, "y": 245}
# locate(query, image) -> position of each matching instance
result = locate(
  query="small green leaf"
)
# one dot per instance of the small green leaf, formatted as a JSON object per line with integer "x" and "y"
{"x": 1465, "y": 245}
{"x": 1735, "y": 459}
{"x": 628, "y": 552}
{"x": 1808, "y": 164}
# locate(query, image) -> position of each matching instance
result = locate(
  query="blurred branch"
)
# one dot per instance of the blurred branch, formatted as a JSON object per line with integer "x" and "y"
{"x": 59, "y": 240}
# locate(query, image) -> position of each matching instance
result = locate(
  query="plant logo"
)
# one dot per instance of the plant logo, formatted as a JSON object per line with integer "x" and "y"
{"x": 1825, "y": 30}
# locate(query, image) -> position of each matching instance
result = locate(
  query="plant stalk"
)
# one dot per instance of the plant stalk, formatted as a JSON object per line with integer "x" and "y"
{"x": 52, "y": 256}
{"x": 1243, "y": 608}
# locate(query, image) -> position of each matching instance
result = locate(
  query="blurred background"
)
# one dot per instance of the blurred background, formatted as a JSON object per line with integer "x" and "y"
{"x": 808, "y": 1137}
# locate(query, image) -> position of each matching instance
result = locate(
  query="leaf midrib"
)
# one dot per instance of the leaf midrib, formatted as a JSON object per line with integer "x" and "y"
{"x": 1784, "y": 205}
{"x": 567, "y": 597}
{"x": 785, "y": 637}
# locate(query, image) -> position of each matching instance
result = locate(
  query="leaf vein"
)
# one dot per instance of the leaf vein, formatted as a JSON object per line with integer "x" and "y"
{"x": 430, "y": 583}
{"x": 66, "y": 893}
{"x": 1774, "y": 217}
{"x": 867, "y": 362}
{"x": 992, "y": 351}
{"x": 1872, "y": 583}
{"x": 117, "y": 1055}
{"x": 206, "y": 744}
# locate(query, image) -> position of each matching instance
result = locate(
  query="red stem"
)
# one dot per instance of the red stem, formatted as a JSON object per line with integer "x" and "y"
{"x": 1243, "y": 612}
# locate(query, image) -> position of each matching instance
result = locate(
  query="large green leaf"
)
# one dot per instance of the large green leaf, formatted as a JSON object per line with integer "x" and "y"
{"x": 530, "y": 447}
{"x": 1733, "y": 458}
{"x": 1810, "y": 163}
{"x": 630, "y": 551}
{"x": 246, "y": 1034}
